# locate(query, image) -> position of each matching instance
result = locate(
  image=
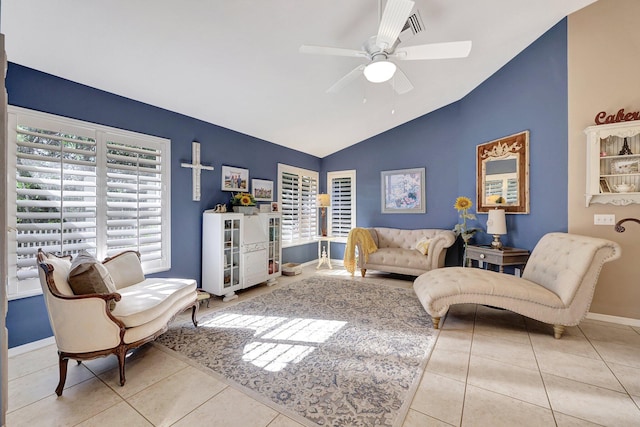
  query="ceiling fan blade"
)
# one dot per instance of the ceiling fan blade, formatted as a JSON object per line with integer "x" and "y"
{"x": 395, "y": 15}
{"x": 337, "y": 51}
{"x": 352, "y": 75}
{"x": 434, "y": 51}
{"x": 400, "y": 82}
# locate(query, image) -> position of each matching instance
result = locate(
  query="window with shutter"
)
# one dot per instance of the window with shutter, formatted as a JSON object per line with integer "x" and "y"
{"x": 342, "y": 213}
{"x": 80, "y": 186}
{"x": 297, "y": 191}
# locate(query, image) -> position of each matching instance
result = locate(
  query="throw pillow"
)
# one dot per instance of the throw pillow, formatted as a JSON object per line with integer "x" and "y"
{"x": 88, "y": 276}
{"x": 423, "y": 245}
{"x": 125, "y": 269}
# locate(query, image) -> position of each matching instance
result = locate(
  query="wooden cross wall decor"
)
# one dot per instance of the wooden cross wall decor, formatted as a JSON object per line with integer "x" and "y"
{"x": 196, "y": 168}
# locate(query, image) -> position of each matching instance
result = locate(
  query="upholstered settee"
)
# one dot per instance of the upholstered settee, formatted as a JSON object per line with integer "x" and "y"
{"x": 92, "y": 324}
{"x": 556, "y": 286}
{"x": 410, "y": 252}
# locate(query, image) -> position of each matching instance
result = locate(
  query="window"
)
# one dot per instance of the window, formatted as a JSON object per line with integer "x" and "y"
{"x": 297, "y": 189}
{"x": 80, "y": 186}
{"x": 342, "y": 189}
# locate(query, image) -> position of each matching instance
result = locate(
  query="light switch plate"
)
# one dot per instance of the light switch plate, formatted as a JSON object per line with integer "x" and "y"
{"x": 604, "y": 219}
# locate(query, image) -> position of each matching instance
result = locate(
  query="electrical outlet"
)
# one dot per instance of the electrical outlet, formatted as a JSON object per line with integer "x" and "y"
{"x": 600, "y": 219}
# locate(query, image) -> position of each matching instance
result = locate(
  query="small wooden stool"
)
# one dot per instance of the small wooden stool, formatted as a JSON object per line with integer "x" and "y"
{"x": 202, "y": 295}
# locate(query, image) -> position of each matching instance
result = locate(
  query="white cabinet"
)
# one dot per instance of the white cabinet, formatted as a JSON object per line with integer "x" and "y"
{"x": 239, "y": 251}
{"x": 613, "y": 175}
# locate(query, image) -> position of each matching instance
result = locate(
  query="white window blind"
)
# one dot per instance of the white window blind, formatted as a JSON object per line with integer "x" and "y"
{"x": 80, "y": 186}
{"x": 297, "y": 189}
{"x": 342, "y": 188}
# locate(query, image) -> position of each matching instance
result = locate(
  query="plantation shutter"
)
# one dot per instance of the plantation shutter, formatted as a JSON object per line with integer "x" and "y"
{"x": 298, "y": 189}
{"x": 81, "y": 186}
{"x": 134, "y": 199}
{"x": 342, "y": 190}
{"x": 55, "y": 196}
{"x": 512, "y": 191}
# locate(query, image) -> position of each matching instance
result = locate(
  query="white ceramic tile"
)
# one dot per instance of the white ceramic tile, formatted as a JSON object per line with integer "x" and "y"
{"x": 451, "y": 364}
{"x": 486, "y": 408}
{"x": 170, "y": 399}
{"x": 509, "y": 332}
{"x": 591, "y": 403}
{"x": 38, "y": 385}
{"x": 563, "y": 420}
{"x": 230, "y": 408}
{"x": 611, "y": 334}
{"x": 618, "y": 353}
{"x": 454, "y": 340}
{"x": 628, "y": 376}
{"x": 417, "y": 419}
{"x": 573, "y": 341}
{"x": 505, "y": 351}
{"x": 283, "y": 421}
{"x": 77, "y": 404}
{"x": 440, "y": 397}
{"x": 32, "y": 361}
{"x": 119, "y": 415}
{"x": 145, "y": 367}
{"x": 510, "y": 380}
{"x": 583, "y": 369}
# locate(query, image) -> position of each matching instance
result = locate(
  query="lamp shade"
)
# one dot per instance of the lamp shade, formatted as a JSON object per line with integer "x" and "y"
{"x": 496, "y": 223}
{"x": 324, "y": 200}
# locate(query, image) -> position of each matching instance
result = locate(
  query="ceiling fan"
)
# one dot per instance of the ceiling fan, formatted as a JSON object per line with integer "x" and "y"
{"x": 383, "y": 47}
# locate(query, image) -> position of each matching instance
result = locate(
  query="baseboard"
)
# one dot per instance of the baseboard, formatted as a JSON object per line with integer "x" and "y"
{"x": 35, "y": 345}
{"x": 614, "y": 319}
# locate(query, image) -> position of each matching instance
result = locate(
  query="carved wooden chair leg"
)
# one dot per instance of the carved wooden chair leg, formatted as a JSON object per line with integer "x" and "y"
{"x": 436, "y": 322}
{"x": 557, "y": 331}
{"x": 63, "y": 360}
{"x": 363, "y": 271}
{"x": 121, "y": 353}
{"x": 194, "y": 314}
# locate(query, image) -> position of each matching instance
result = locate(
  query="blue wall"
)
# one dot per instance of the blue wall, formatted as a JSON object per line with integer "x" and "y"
{"x": 219, "y": 146}
{"x": 530, "y": 92}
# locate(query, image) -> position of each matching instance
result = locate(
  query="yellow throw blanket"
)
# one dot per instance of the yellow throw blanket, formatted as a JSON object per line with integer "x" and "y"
{"x": 362, "y": 237}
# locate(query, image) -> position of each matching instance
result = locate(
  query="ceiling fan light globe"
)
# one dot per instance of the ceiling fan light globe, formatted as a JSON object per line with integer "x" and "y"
{"x": 379, "y": 71}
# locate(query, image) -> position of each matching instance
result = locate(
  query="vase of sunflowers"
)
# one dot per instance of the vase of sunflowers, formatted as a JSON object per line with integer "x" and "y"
{"x": 244, "y": 203}
{"x": 463, "y": 205}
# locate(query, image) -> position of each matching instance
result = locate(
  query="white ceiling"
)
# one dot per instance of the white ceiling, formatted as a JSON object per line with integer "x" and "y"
{"x": 235, "y": 63}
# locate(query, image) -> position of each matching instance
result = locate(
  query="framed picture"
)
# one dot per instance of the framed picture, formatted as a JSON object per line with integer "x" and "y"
{"x": 402, "y": 191}
{"x": 625, "y": 166}
{"x": 604, "y": 186}
{"x": 235, "y": 179}
{"x": 262, "y": 190}
{"x": 275, "y": 207}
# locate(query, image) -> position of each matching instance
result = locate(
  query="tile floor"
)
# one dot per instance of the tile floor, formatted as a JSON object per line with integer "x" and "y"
{"x": 489, "y": 368}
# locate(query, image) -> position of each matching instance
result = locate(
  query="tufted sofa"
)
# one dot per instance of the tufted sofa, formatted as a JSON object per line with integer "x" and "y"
{"x": 94, "y": 325}
{"x": 397, "y": 251}
{"x": 556, "y": 286}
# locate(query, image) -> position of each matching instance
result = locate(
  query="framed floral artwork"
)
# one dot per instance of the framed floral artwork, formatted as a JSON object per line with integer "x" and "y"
{"x": 235, "y": 179}
{"x": 262, "y": 190}
{"x": 403, "y": 191}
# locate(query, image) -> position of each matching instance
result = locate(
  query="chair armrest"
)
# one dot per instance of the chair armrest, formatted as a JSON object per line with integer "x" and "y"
{"x": 437, "y": 248}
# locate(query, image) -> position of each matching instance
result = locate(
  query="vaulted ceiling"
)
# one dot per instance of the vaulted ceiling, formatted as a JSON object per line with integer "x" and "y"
{"x": 237, "y": 64}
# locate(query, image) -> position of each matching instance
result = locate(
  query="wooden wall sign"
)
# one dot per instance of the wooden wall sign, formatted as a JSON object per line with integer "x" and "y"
{"x": 602, "y": 118}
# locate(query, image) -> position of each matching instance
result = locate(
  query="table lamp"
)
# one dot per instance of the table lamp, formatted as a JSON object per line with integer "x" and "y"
{"x": 496, "y": 225}
{"x": 324, "y": 201}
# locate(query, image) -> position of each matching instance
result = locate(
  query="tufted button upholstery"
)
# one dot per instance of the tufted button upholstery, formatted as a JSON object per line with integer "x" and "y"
{"x": 397, "y": 254}
{"x": 556, "y": 287}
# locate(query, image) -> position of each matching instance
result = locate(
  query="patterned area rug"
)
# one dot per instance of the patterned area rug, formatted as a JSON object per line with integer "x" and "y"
{"x": 333, "y": 352}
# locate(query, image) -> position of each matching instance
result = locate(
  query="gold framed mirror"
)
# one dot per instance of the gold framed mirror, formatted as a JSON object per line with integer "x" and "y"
{"x": 502, "y": 168}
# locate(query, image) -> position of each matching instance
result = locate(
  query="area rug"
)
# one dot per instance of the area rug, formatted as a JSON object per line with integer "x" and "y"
{"x": 332, "y": 352}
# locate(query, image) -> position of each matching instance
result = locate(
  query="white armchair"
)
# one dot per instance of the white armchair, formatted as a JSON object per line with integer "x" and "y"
{"x": 556, "y": 287}
{"x": 90, "y": 326}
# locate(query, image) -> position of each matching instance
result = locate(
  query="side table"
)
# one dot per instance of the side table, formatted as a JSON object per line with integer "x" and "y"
{"x": 324, "y": 253}
{"x": 499, "y": 257}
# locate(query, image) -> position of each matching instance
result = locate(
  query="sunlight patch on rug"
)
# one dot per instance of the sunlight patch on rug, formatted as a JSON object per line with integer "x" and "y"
{"x": 334, "y": 352}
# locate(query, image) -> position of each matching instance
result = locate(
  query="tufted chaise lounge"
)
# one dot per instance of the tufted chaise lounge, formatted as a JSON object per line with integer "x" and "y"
{"x": 556, "y": 287}
{"x": 397, "y": 254}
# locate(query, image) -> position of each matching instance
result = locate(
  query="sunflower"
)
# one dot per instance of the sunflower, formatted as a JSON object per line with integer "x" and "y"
{"x": 462, "y": 203}
{"x": 245, "y": 200}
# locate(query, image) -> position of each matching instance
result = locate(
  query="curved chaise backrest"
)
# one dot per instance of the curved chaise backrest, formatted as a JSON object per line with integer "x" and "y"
{"x": 563, "y": 262}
